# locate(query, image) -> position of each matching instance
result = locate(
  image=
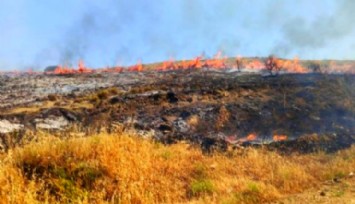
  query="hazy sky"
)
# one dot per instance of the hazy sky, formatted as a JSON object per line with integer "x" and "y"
{"x": 37, "y": 33}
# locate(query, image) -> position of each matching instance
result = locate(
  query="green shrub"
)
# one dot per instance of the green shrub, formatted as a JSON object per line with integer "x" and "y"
{"x": 200, "y": 187}
{"x": 87, "y": 174}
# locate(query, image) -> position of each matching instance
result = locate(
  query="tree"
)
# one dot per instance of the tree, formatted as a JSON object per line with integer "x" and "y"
{"x": 273, "y": 65}
{"x": 315, "y": 66}
{"x": 240, "y": 63}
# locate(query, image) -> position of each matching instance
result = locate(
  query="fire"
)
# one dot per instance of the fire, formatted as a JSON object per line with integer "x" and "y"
{"x": 338, "y": 68}
{"x": 63, "y": 70}
{"x": 82, "y": 68}
{"x": 118, "y": 69}
{"x": 292, "y": 66}
{"x": 251, "y": 137}
{"x": 168, "y": 65}
{"x": 278, "y": 138}
{"x": 136, "y": 68}
{"x": 115, "y": 69}
{"x": 66, "y": 70}
{"x": 184, "y": 64}
{"x": 196, "y": 63}
{"x": 217, "y": 62}
{"x": 255, "y": 64}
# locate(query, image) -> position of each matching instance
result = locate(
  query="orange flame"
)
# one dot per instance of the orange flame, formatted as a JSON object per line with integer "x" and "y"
{"x": 66, "y": 70}
{"x": 63, "y": 70}
{"x": 136, "y": 68}
{"x": 217, "y": 62}
{"x": 278, "y": 138}
{"x": 168, "y": 65}
{"x": 196, "y": 63}
{"x": 292, "y": 66}
{"x": 184, "y": 64}
{"x": 251, "y": 137}
{"x": 255, "y": 64}
{"x": 82, "y": 68}
{"x": 118, "y": 69}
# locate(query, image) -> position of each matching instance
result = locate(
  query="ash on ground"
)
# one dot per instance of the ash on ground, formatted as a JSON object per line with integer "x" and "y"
{"x": 213, "y": 109}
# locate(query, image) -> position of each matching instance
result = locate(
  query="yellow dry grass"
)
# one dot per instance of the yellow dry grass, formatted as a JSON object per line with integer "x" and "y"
{"x": 31, "y": 108}
{"x": 127, "y": 169}
{"x": 48, "y": 104}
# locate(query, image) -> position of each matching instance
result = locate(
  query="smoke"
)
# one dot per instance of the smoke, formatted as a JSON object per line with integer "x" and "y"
{"x": 303, "y": 35}
{"x": 77, "y": 39}
{"x": 85, "y": 36}
{"x": 125, "y": 31}
{"x": 110, "y": 32}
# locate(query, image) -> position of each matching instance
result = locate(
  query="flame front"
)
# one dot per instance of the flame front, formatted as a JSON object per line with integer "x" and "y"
{"x": 251, "y": 137}
{"x": 278, "y": 138}
{"x": 217, "y": 62}
{"x": 66, "y": 70}
{"x": 136, "y": 68}
{"x": 168, "y": 65}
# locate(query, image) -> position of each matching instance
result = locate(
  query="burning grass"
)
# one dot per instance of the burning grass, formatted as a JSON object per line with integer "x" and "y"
{"x": 127, "y": 169}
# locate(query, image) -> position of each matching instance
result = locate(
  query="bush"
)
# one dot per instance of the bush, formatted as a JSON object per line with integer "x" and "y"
{"x": 273, "y": 65}
{"x": 315, "y": 66}
{"x": 200, "y": 187}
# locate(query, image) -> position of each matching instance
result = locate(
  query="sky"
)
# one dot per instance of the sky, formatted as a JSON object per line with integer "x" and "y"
{"x": 38, "y": 33}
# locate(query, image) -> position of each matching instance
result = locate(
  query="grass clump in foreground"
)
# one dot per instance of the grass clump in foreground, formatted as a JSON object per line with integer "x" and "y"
{"x": 127, "y": 169}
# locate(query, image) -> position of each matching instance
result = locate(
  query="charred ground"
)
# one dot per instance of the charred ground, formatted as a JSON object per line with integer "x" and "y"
{"x": 209, "y": 108}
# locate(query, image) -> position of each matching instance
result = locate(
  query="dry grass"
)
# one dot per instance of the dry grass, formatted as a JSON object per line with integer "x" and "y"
{"x": 222, "y": 118}
{"x": 71, "y": 104}
{"x": 30, "y": 109}
{"x": 127, "y": 169}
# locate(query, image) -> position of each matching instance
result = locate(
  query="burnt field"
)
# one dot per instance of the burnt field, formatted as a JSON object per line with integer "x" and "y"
{"x": 209, "y": 108}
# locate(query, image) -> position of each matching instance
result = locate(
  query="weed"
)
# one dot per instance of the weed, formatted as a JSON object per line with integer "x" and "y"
{"x": 200, "y": 187}
{"x": 339, "y": 193}
{"x": 87, "y": 174}
{"x": 67, "y": 190}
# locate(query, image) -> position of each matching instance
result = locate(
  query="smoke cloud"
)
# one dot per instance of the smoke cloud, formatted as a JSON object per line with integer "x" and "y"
{"x": 325, "y": 29}
{"x": 143, "y": 30}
